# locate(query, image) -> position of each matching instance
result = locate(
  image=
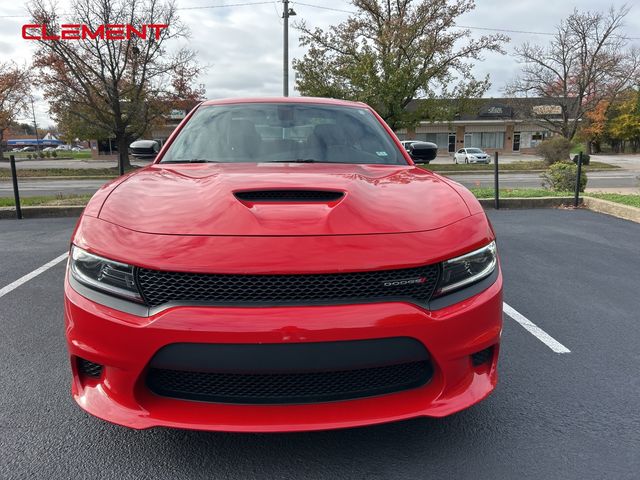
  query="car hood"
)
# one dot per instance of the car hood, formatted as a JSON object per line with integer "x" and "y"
{"x": 200, "y": 199}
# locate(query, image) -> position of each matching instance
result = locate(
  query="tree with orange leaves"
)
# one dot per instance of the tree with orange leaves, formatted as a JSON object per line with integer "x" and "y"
{"x": 14, "y": 95}
{"x": 119, "y": 87}
{"x": 595, "y": 128}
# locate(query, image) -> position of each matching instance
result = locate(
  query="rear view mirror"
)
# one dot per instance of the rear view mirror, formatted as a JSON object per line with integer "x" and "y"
{"x": 144, "y": 149}
{"x": 423, "y": 152}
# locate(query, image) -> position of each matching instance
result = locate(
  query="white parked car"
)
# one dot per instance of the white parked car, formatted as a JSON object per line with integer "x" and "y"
{"x": 63, "y": 147}
{"x": 471, "y": 155}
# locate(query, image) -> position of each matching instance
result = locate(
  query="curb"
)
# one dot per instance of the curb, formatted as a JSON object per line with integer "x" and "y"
{"x": 626, "y": 212}
{"x": 78, "y": 177}
{"x": 76, "y": 210}
{"x": 42, "y": 212}
{"x": 501, "y": 172}
{"x": 535, "y": 202}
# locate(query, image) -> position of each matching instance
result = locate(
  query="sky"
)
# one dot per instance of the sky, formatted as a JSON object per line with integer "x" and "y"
{"x": 242, "y": 45}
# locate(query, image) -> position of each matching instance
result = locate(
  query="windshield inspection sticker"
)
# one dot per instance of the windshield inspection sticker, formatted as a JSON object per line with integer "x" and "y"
{"x": 381, "y": 154}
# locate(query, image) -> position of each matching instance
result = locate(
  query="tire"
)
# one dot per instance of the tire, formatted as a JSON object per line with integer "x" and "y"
{"x": 455, "y": 159}
{"x": 466, "y": 160}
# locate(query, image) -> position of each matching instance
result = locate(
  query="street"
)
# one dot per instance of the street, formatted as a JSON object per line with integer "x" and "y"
{"x": 617, "y": 179}
{"x": 626, "y": 179}
{"x": 573, "y": 415}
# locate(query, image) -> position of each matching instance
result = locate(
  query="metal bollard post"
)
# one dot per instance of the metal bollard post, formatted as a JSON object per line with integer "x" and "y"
{"x": 577, "y": 192}
{"x": 495, "y": 181}
{"x": 16, "y": 193}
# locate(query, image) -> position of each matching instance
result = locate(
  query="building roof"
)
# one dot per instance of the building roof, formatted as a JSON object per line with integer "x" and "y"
{"x": 509, "y": 108}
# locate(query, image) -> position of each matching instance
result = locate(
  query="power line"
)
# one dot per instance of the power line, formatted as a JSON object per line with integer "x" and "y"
{"x": 204, "y": 7}
{"x": 322, "y": 7}
{"x": 503, "y": 30}
{"x": 332, "y": 9}
{"x": 245, "y": 4}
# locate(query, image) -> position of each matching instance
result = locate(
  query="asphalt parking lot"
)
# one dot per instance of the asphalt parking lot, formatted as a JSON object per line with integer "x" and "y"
{"x": 574, "y": 274}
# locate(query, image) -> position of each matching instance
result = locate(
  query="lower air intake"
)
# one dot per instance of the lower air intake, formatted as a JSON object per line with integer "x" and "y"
{"x": 285, "y": 373}
{"x": 89, "y": 369}
{"x": 287, "y": 388}
{"x": 483, "y": 356}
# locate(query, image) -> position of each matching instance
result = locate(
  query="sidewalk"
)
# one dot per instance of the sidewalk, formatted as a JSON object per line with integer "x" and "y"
{"x": 628, "y": 161}
{"x": 503, "y": 158}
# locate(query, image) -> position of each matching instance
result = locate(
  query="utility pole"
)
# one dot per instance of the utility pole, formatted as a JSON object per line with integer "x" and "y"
{"x": 35, "y": 126}
{"x": 288, "y": 12}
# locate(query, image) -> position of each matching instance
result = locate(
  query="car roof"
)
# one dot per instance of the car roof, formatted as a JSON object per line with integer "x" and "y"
{"x": 302, "y": 100}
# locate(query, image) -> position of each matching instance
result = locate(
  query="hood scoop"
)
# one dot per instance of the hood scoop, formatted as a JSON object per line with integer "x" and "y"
{"x": 297, "y": 195}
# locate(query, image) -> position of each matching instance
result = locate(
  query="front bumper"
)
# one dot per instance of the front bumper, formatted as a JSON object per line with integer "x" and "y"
{"x": 480, "y": 160}
{"x": 126, "y": 343}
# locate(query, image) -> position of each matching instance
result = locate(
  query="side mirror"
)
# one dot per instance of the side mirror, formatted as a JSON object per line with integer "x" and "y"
{"x": 423, "y": 152}
{"x": 144, "y": 149}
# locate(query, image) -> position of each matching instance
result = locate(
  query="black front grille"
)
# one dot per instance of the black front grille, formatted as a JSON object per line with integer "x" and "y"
{"x": 410, "y": 284}
{"x": 287, "y": 388}
{"x": 289, "y": 196}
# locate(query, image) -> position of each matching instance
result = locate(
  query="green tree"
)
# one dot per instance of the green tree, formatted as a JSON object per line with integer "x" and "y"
{"x": 626, "y": 124}
{"x": 389, "y": 53}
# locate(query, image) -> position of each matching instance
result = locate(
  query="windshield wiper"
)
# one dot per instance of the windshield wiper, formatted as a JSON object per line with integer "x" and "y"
{"x": 194, "y": 160}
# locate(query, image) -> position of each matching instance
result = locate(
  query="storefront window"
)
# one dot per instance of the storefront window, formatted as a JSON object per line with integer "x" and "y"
{"x": 532, "y": 139}
{"x": 484, "y": 140}
{"x": 440, "y": 139}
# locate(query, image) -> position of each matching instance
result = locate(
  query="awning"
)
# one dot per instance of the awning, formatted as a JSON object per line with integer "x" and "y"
{"x": 32, "y": 141}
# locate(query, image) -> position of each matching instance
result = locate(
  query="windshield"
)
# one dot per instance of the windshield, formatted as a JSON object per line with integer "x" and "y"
{"x": 474, "y": 150}
{"x": 283, "y": 132}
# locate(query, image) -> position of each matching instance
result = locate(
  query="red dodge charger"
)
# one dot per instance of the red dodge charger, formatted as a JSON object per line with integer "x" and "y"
{"x": 281, "y": 265}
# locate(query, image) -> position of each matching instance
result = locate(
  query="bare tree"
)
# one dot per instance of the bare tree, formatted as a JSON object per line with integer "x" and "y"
{"x": 390, "y": 52}
{"x": 588, "y": 61}
{"x": 115, "y": 86}
{"x": 14, "y": 95}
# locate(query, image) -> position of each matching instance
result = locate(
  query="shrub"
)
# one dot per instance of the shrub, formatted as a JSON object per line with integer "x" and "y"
{"x": 54, "y": 154}
{"x": 28, "y": 156}
{"x": 41, "y": 154}
{"x": 555, "y": 149}
{"x": 586, "y": 159}
{"x": 47, "y": 154}
{"x": 561, "y": 177}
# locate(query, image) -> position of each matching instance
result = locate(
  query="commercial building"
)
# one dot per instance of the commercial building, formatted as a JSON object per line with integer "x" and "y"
{"x": 506, "y": 125}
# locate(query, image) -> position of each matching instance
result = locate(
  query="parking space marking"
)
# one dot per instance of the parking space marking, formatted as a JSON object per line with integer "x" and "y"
{"x": 527, "y": 324}
{"x": 30, "y": 275}
{"x": 535, "y": 330}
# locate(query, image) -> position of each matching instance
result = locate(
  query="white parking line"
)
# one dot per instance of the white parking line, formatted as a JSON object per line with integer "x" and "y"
{"x": 531, "y": 327}
{"x": 29, "y": 276}
{"x": 535, "y": 330}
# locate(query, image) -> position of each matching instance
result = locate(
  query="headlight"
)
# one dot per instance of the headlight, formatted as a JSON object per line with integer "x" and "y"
{"x": 467, "y": 269}
{"x": 105, "y": 275}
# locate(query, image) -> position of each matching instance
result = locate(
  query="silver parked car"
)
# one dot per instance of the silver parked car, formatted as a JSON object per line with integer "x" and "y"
{"x": 471, "y": 155}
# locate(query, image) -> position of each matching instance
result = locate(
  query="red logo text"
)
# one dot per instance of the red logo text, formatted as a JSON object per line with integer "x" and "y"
{"x": 77, "y": 31}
